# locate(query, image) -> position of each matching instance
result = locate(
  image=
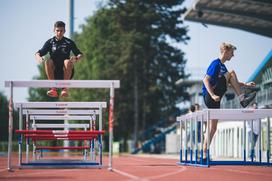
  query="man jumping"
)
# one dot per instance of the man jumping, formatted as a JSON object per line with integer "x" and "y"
{"x": 60, "y": 65}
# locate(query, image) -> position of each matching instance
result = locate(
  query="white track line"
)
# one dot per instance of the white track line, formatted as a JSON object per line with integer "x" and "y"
{"x": 35, "y": 173}
{"x": 243, "y": 172}
{"x": 133, "y": 177}
{"x": 181, "y": 169}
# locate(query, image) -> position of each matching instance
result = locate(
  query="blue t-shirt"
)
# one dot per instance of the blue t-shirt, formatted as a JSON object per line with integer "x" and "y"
{"x": 216, "y": 70}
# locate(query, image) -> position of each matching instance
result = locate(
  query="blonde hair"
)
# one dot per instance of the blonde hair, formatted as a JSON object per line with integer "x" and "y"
{"x": 226, "y": 47}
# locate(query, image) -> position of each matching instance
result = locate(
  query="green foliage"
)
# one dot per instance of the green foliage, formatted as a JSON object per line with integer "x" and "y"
{"x": 4, "y": 118}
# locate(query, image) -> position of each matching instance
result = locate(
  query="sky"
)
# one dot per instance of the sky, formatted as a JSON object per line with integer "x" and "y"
{"x": 27, "y": 24}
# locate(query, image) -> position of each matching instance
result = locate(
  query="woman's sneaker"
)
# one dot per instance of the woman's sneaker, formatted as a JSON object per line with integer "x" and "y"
{"x": 52, "y": 92}
{"x": 64, "y": 92}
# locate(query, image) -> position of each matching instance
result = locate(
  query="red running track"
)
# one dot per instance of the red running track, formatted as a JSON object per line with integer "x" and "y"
{"x": 144, "y": 168}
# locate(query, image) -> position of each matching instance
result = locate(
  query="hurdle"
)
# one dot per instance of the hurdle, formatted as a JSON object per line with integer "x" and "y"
{"x": 102, "y": 84}
{"x": 61, "y": 108}
{"x": 207, "y": 115}
{"x": 61, "y": 111}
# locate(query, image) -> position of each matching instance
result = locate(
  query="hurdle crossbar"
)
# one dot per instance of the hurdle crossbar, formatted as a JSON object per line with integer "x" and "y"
{"x": 64, "y": 83}
{"x": 60, "y": 112}
{"x": 60, "y": 125}
{"x": 59, "y": 132}
{"x": 108, "y": 84}
{"x": 66, "y": 117}
{"x": 61, "y": 105}
{"x": 62, "y": 147}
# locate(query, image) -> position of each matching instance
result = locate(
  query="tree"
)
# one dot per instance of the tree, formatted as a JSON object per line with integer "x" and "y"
{"x": 155, "y": 64}
{"x": 4, "y": 117}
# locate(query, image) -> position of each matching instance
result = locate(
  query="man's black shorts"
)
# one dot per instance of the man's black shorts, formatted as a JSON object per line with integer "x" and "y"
{"x": 219, "y": 90}
{"x": 59, "y": 72}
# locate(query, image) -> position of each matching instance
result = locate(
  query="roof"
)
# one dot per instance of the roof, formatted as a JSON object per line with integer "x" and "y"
{"x": 250, "y": 15}
{"x": 257, "y": 74}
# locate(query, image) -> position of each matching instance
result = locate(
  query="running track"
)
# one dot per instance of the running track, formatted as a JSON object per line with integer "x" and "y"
{"x": 144, "y": 168}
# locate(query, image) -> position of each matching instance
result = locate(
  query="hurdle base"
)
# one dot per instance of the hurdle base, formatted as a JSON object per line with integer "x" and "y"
{"x": 60, "y": 164}
{"x": 220, "y": 162}
{"x": 192, "y": 164}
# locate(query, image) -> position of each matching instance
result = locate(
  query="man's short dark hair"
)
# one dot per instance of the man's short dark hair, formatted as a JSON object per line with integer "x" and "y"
{"x": 59, "y": 24}
{"x": 192, "y": 108}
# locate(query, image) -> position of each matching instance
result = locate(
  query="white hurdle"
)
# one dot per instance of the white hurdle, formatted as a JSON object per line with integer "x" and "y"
{"x": 222, "y": 115}
{"x": 105, "y": 84}
{"x": 61, "y": 111}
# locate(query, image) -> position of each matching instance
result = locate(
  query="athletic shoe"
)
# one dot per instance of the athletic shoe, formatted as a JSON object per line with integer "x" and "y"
{"x": 247, "y": 99}
{"x": 64, "y": 92}
{"x": 249, "y": 90}
{"x": 52, "y": 92}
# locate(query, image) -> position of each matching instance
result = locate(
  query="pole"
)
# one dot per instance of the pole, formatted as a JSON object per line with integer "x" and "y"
{"x": 10, "y": 126}
{"x": 71, "y": 18}
{"x": 111, "y": 121}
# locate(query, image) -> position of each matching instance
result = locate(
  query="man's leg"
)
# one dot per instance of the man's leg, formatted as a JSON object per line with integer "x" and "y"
{"x": 212, "y": 132}
{"x": 49, "y": 69}
{"x": 232, "y": 79}
{"x": 67, "y": 69}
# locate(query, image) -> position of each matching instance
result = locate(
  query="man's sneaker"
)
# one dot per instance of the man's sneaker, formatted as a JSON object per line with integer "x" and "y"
{"x": 249, "y": 90}
{"x": 247, "y": 99}
{"x": 64, "y": 92}
{"x": 52, "y": 92}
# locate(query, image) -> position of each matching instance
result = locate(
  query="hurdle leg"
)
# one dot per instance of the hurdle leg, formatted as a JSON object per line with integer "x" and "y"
{"x": 111, "y": 121}
{"x": 85, "y": 150}
{"x": 100, "y": 138}
{"x": 201, "y": 140}
{"x": 20, "y": 137}
{"x": 260, "y": 140}
{"x": 196, "y": 140}
{"x": 27, "y": 139}
{"x": 251, "y": 140}
{"x": 10, "y": 126}
{"x": 208, "y": 139}
{"x": 268, "y": 141}
{"x": 191, "y": 141}
{"x": 180, "y": 152}
{"x": 34, "y": 145}
{"x": 186, "y": 148}
{"x": 244, "y": 138}
{"x": 20, "y": 149}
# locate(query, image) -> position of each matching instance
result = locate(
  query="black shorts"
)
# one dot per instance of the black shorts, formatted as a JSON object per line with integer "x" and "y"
{"x": 58, "y": 71}
{"x": 219, "y": 90}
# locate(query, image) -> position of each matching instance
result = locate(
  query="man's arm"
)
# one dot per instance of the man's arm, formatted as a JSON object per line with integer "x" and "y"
{"x": 76, "y": 52}
{"x": 74, "y": 59}
{"x": 39, "y": 58}
{"x": 209, "y": 88}
{"x": 42, "y": 52}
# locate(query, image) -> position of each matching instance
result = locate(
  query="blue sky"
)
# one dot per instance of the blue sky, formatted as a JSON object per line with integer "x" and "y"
{"x": 27, "y": 24}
